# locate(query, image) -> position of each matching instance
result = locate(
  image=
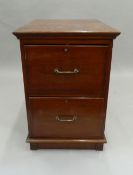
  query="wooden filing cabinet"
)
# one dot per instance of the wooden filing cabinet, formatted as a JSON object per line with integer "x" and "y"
{"x": 66, "y": 69}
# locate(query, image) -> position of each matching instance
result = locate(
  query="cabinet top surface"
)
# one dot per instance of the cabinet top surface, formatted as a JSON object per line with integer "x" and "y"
{"x": 66, "y": 27}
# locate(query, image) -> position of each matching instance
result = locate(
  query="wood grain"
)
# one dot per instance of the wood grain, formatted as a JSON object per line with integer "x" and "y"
{"x": 60, "y": 27}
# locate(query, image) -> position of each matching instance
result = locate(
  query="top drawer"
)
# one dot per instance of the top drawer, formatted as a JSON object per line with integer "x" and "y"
{"x": 59, "y": 70}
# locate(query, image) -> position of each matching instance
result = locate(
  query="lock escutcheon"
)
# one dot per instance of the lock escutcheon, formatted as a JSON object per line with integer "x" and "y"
{"x": 65, "y": 49}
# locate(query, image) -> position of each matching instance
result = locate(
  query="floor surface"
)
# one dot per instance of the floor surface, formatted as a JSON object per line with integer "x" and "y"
{"x": 17, "y": 159}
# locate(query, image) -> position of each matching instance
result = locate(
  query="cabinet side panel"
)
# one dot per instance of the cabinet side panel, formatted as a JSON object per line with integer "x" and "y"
{"x": 23, "y": 60}
{"x": 107, "y": 79}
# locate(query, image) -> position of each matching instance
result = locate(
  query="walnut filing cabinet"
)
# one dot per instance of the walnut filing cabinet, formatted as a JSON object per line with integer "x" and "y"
{"x": 66, "y": 69}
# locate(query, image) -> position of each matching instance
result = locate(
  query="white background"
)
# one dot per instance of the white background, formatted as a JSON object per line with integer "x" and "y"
{"x": 15, "y": 156}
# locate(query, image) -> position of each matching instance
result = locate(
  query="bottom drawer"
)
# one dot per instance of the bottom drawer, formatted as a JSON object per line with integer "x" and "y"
{"x": 66, "y": 117}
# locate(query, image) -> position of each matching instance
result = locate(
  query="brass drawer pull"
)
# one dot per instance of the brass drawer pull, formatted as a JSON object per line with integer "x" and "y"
{"x": 61, "y": 119}
{"x": 57, "y": 71}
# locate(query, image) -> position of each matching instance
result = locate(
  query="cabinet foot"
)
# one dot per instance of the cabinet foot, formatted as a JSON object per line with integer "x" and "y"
{"x": 33, "y": 146}
{"x": 99, "y": 147}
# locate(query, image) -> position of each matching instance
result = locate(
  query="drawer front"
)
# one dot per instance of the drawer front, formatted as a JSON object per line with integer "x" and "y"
{"x": 67, "y": 118}
{"x": 66, "y": 70}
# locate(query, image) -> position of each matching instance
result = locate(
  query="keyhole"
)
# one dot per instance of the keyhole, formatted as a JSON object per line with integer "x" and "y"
{"x": 66, "y": 50}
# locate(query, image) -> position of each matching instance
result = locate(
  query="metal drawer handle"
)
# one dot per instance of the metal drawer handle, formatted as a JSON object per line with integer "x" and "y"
{"x": 57, "y": 71}
{"x": 66, "y": 120}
